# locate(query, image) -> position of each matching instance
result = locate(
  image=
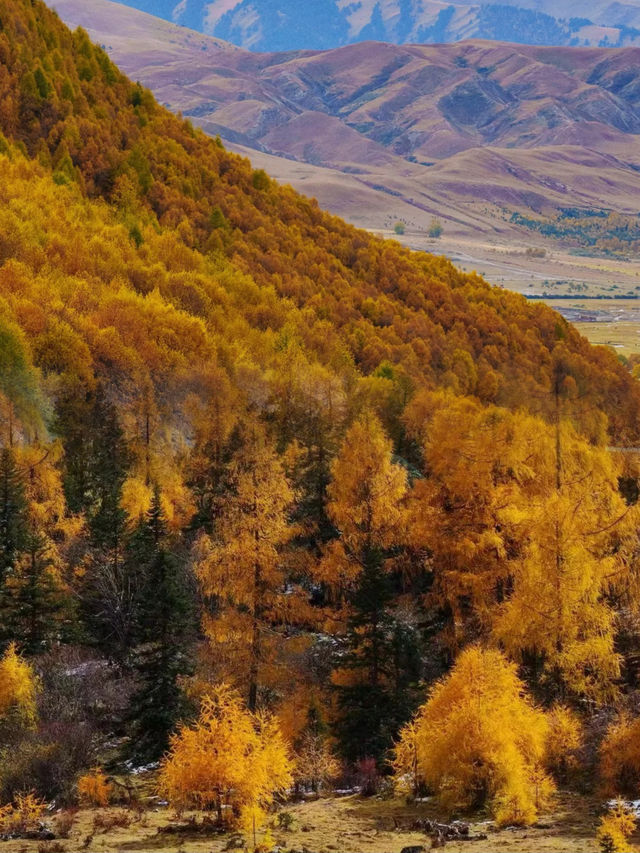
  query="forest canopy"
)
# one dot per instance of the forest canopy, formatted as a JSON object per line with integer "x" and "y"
{"x": 260, "y": 470}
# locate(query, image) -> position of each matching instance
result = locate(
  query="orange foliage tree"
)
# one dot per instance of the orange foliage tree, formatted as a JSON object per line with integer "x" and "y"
{"x": 366, "y": 504}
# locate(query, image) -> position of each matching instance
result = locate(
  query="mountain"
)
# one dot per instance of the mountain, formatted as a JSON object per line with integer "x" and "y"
{"x": 252, "y": 457}
{"x": 464, "y": 131}
{"x": 278, "y": 25}
{"x": 219, "y": 229}
{"x": 338, "y": 289}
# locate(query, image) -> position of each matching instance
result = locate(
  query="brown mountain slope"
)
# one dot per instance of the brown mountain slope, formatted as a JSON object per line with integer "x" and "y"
{"x": 540, "y": 128}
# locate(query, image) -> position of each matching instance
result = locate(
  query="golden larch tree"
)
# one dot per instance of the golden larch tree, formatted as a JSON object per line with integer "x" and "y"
{"x": 229, "y": 758}
{"x": 241, "y": 566}
{"x": 480, "y": 740}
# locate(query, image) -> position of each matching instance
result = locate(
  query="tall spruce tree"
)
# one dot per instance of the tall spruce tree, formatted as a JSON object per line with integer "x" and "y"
{"x": 13, "y": 514}
{"x": 165, "y": 627}
{"x": 112, "y": 584}
{"x": 35, "y": 606}
{"x": 366, "y": 505}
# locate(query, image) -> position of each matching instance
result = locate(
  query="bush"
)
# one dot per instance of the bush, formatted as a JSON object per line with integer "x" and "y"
{"x": 620, "y": 757}
{"x": 286, "y": 821}
{"x": 94, "y": 788}
{"x": 316, "y": 766}
{"x": 47, "y": 761}
{"x": 399, "y": 228}
{"x": 22, "y": 815}
{"x": 564, "y": 740}
{"x": 435, "y": 228}
{"x": 64, "y": 823}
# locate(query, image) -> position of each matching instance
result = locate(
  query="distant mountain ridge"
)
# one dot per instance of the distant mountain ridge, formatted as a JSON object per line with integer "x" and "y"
{"x": 280, "y": 25}
{"x": 469, "y": 132}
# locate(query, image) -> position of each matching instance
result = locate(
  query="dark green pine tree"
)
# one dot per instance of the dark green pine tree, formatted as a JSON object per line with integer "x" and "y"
{"x": 112, "y": 584}
{"x": 36, "y": 609}
{"x": 384, "y": 660}
{"x": 13, "y": 515}
{"x": 165, "y": 625}
{"x": 74, "y": 418}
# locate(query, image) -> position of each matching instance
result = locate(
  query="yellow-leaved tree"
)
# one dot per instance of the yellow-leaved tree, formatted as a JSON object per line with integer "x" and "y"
{"x": 478, "y": 462}
{"x": 615, "y": 829}
{"x": 576, "y": 541}
{"x": 241, "y": 567}
{"x": 18, "y": 690}
{"x": 479, "y": 740}
{"x": 620, "y": 757}
{"x": 529, "y": 536}
{"x": 230, "y": 760}
{"x": 566, "y": 736}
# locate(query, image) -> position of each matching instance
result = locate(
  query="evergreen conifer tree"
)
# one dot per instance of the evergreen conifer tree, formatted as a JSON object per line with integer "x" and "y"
{"x": 13, "y": 514}
{"x": 164, "y": 628}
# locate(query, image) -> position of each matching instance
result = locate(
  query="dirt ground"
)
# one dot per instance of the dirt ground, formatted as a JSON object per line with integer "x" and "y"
{"x": 334, "y": 825}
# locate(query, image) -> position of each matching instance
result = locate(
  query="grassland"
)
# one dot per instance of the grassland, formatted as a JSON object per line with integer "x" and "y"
{"x": 335, "y": 825}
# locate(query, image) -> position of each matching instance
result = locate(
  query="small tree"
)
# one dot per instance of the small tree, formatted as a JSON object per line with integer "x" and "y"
{"x": 435, "y": 228}
{"x": 18, "y": 689}
{"x": 620, "y": 757}
{"x": 229, "y": 759}
{"x": 399, "y": 228}
{"x": 480, "y": 740}
{"x": 615, "y": 829}
{"x": 316, "y": 765}
{"x": 564, "y": 741}
{"x": 366, "y": 505}
{"x": 94, "y": 788}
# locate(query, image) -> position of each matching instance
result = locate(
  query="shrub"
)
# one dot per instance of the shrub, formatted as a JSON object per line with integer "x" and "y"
{"x": 22, "y": 815}
{"x": 64, "y": 823}
{"x": 435, "y": 228}
{"x": 316, "y": 766}
{"x": 104, "y": 822}
{"x": 399, "y": 228}
{"x": 615, "y": 829}
{"x": 47, "y": 760}
{"x": 94, "y": 788}
{"x": 286, "y": 821}
{"x": 620, "y": 757}
{"x": 564, "y": 740}
{"x": 18, "y": 689}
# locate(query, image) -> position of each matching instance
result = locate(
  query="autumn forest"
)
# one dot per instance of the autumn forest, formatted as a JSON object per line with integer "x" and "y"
{"x": 284, "y": 507}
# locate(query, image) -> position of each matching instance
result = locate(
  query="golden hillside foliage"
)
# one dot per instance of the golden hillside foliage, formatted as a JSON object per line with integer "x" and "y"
{"x": 245, "y": 442}
{"x": 184, "y": 203}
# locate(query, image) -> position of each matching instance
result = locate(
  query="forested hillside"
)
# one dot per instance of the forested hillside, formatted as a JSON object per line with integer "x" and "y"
{"x": 245, "y": 446}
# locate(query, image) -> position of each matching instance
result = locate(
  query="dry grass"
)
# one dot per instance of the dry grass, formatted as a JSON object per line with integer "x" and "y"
{"x": 340, "y": 825}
